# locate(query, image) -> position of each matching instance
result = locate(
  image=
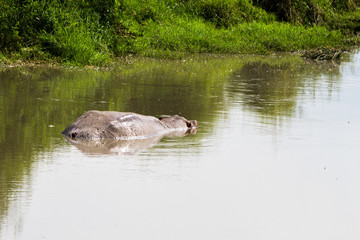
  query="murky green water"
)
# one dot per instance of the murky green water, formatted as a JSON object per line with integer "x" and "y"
{"x": 276, "y": 156}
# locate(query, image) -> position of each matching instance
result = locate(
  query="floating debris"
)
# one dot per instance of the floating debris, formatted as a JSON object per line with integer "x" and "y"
{"x": 323, "y": 54}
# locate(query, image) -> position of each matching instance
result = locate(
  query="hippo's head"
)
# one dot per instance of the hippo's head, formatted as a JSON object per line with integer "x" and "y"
{"x": 176, "y": 121}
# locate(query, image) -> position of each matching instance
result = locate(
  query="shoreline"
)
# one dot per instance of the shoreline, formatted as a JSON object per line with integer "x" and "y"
{"x": 317, "y": 55}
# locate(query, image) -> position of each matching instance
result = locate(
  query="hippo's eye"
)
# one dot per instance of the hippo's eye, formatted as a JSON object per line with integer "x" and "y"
{"x": 73, "y": 135}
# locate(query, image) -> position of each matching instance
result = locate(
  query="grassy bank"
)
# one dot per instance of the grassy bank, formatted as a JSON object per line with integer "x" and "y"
{"x": 94, "y": 32}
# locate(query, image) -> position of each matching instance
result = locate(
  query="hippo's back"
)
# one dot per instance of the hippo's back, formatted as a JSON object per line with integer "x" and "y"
{"x": 111, "y": 124}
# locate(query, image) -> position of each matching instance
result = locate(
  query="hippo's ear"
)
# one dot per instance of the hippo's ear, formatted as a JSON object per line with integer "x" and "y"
{"x": 188, "y": 124}
{"x": 161, "y": 117}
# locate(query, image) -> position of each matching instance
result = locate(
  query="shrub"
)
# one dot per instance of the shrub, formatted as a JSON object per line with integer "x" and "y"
{"x": 307, "y": 12}
{"x": 227, "y": 13}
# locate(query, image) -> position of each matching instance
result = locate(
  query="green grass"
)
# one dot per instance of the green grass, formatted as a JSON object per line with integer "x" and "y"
{"x": 77, "y": 42}
{"x": 95, "y": 32}
{"x": 198, "y": 37}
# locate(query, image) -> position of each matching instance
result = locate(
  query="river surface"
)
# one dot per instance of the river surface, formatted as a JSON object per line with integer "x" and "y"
{"x": 276, "y": 155}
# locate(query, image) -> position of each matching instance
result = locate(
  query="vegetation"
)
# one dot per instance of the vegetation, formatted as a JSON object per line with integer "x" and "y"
{"x": 92, "y": 32}
{"x": 322, "y": 54}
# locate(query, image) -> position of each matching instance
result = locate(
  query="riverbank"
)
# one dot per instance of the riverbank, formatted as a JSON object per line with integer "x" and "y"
{"x": 99, "y": 32}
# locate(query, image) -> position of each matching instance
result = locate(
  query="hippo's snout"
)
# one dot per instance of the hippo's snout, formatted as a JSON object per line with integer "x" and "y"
{"x": 73, "y": 135}
{"x": 70, "y": 132}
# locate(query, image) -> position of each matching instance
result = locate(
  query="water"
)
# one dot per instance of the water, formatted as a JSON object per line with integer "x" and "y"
{"x": 276, "y": 156}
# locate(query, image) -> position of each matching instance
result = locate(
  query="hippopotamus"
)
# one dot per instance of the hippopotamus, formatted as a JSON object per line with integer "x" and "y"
{"x": 126, "y": 125}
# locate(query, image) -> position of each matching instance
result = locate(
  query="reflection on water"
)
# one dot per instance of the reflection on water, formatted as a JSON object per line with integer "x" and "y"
{"x": 114, "y": 146}
{"x": 275, "y": 156}
{"x": 125, "y": 146}
{"x": 273, "y": 89}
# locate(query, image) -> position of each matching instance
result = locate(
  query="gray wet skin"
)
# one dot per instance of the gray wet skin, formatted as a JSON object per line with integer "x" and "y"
{"x": 110, "y": 124}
